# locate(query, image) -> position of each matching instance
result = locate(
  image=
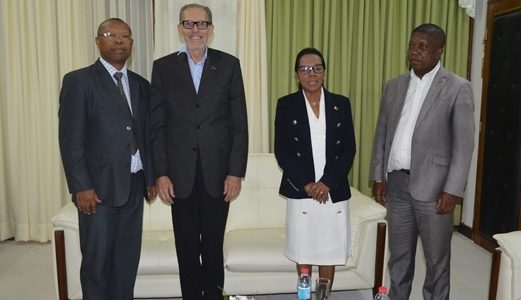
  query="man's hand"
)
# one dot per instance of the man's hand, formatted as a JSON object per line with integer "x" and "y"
{"x": 86, "y": 201}
{"x": 379, "y": 192}
{"x": 165, "y": 189}
{"x": 232, "y": 187}
{"x": 318, "y": 191}
{"x": 446, "y": 203}
{"x": 151, "y": 194}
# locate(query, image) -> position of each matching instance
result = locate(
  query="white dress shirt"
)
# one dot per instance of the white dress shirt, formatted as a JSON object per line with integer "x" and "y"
{"x": 400, "y": 155}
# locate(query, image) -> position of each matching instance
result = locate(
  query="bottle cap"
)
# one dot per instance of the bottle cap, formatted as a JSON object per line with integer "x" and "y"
{"x": 382, "y": 290}
{"x": 304, "y": 270}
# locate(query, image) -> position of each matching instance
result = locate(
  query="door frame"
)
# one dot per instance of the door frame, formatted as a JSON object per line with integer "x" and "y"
{"x": 495, "y": 8}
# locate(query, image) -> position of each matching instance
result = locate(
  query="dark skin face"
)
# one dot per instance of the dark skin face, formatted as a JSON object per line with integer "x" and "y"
{"x": 115, "y": 49}
{"x": 423, "y": 53}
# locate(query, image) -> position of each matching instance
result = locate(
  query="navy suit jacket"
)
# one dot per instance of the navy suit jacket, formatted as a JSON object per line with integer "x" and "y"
{"x": 293, "y": 146}
{"x": 95, "y": 132}
{"x": 211, "y": 123}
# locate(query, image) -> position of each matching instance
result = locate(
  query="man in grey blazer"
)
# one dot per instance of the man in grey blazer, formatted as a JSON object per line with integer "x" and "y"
{"x": 200, "y": 148}
{"x": 420, "y": 162}
{"x": 104, "y": 145}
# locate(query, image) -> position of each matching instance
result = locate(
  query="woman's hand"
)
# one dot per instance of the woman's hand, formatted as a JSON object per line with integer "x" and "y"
{"x": 318, "y": 191}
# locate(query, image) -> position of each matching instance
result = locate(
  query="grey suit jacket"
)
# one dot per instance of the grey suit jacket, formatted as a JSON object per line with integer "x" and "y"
{"x": 443, "y": 137}
{"x": 95, "y": 132}
{"x": 212, "y": 122}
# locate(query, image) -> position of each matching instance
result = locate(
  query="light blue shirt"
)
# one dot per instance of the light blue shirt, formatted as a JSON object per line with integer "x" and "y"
{"x": 196, "y": 69}
{"x": 136, "y": 164}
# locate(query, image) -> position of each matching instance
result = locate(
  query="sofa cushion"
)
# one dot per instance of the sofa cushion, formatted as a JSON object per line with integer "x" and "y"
{"x": 158, "y": 254}
{"x": 259, "y": 250}
{"x": 510, "y": 244}
{"x": 256, "y": 250}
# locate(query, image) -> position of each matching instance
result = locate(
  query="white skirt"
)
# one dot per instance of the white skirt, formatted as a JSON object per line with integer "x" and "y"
{"x": 317, "y": 234}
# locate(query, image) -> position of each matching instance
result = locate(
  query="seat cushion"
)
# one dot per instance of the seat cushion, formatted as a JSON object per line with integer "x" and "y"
{"x": 256, "y": 250}
{"x": 158, "y": 254}
{"x": 259, "y": 250}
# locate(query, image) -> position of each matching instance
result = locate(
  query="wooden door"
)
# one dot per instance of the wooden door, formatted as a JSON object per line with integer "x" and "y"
{"x": 498, "y": 183}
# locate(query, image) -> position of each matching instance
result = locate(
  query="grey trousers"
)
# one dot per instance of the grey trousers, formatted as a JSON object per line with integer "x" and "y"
{"x": 409, "y": 218}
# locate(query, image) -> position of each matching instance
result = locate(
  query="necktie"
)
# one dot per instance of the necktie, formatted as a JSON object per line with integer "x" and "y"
{"x": 118, "y": 76}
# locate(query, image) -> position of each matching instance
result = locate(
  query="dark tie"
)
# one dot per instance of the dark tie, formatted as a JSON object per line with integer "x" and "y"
{"x": 118, "y": 76}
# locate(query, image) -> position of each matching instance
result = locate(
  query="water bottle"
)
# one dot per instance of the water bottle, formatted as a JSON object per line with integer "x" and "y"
{"x": 304, "y": 285}
{"x": 382, "y": 294}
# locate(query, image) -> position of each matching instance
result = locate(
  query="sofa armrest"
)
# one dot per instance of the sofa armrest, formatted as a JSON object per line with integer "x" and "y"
{"x": 509, "y": 270}
{"x": 66, "y": 253}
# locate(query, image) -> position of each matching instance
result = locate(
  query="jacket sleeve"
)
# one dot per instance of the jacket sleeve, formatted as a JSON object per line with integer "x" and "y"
{"x": 239, "y": 124}
{"x": 72, "y": 128}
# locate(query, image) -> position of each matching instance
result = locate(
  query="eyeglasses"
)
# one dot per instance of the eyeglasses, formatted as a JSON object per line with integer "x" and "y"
{"x": 189, "y": 24}
{"x": 318, "y": 69}
{"x": 112, "y": 36}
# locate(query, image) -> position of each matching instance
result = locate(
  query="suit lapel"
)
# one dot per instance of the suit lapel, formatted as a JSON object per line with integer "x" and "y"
{"x": 301, "y": 117}
{"x": 134, "y": 93}
{"x": 182, "y": 70}
{"x": 399, "y": 101}
{"x": 438, "y": 83}
{"x": 108, "y": 85}
{"x": 210, "y": 71}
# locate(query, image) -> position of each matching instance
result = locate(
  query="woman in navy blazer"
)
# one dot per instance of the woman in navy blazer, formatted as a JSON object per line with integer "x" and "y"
{"x": 315, "y": 147}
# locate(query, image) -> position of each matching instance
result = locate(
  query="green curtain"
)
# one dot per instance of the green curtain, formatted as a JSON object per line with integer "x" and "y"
{"x": 364, "y": 43}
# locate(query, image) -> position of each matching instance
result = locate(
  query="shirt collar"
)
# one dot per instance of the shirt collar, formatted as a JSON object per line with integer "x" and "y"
{"x": 427, "y": 76}
{"x": 183, "y": 49}
{"x": 110, "y": 68}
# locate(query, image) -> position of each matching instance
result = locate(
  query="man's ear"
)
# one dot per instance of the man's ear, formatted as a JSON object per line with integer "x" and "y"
{"x": 439, "y": 52}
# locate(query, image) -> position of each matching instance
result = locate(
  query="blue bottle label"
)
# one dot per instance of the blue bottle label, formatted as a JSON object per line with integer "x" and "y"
{"x": 304, "y": 293}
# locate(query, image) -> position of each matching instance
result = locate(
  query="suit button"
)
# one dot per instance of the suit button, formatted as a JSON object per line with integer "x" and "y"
{"x": 128, "y": 128}
{"x": 198, "y": 126}
{"x": 296, "y": 139}
{"x": 294, "y": 122}
{"x": 338, "y": 142}
{"x": 336, "y": 157}
{"x": 197, "y": 105}
{"x": 194, "y": 149}
{"x": 335, "y": 107}
{"x": 298, "y": 154}
{"x": 338, "y": 124}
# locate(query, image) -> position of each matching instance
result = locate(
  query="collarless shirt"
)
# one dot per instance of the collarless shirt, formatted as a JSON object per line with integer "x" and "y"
{"x": 196, "y": 69}
{"x": 400, "y": 155}
{"x": 136, "y": 164}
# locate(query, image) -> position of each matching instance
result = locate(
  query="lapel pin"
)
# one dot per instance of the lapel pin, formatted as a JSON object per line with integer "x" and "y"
{"x": 213, "y": 68}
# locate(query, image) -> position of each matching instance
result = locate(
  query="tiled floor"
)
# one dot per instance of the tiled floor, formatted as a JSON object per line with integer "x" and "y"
{"x": 26, "y": 273}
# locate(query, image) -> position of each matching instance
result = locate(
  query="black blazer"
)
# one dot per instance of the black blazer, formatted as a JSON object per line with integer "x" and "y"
{"x": 95, "y": 132}
{"x": 212, "y": 122}
{"x": 293, "y": 146}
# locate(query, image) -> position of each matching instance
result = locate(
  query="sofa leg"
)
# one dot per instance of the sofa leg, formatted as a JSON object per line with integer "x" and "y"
{"x": 61, "y": 267}
{"x": 494, "y": 274}
{"x": 380, "y": 254}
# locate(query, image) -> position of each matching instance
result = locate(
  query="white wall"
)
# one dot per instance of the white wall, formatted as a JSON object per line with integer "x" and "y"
{"x": 478, "y": 49}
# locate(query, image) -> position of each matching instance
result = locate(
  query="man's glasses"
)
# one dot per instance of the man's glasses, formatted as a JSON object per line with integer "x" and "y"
{"x": 189, "y": 24}
{"x": 318, "y": 69}
{"x": 112, "y": 36}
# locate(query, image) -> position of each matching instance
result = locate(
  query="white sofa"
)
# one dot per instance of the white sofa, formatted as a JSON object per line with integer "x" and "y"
{"x": 253, "y": 246}
{"x": 505, "y": 279}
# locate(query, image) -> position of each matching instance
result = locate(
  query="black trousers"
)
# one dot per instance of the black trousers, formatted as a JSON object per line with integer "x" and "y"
{"x": 110, "y": 242}
{"x": 199, "y": 223}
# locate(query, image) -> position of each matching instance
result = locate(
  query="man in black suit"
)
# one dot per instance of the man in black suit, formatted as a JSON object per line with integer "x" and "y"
{"x": 104, "y": 144}
{"x": 200, "y": 147}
